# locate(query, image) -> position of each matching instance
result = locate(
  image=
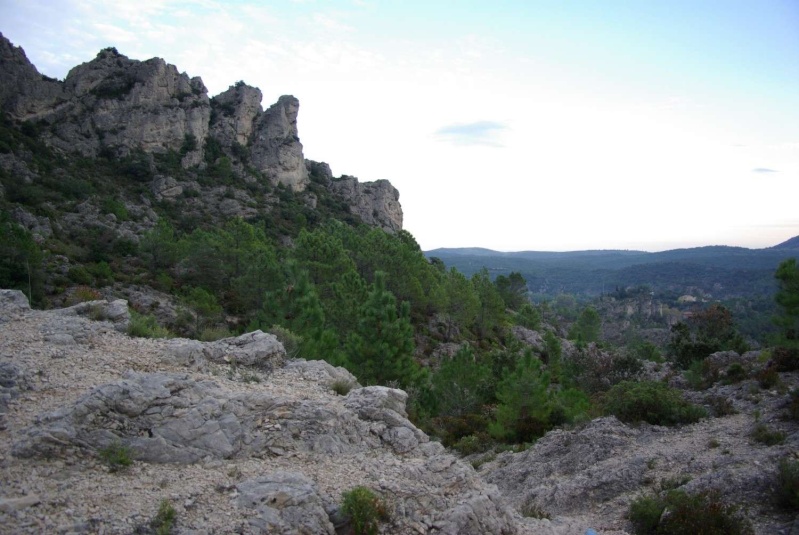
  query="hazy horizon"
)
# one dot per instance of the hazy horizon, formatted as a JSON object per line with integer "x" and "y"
{"x": 523, "y": 125}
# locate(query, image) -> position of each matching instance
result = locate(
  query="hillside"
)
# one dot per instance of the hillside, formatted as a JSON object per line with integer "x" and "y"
{"x": 718, "y": 271}
{"x": 199, "y": 320}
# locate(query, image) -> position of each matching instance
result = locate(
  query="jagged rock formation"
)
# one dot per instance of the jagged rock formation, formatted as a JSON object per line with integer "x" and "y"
{"x": 117, "y": 106}
{"x": 377, "y": 203}
{"x": 235, "y": 447}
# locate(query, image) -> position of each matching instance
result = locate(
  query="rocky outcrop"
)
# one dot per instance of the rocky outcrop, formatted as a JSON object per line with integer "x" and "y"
{"x": 111, "y": 102}
{"x": 376, "y": 203}
{"x": 269, "y": 451}
{"x": 276, "y": 148}
{"x": 24, "y": 92}
{"x": 233, "y": 114}
{"x": 116, "y": 106}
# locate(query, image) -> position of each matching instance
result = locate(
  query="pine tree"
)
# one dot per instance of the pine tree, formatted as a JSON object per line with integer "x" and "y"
{"x": 381, "y": 347}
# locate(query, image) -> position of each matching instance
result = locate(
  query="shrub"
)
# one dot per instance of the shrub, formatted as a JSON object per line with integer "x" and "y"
{"x": 116, "y": 455}
{"x": 785, "y": 359}
{"x": 116, "y": 207}
{"x": 364, "y": 509}
{"x": 652, "y": 402}
{"x": 768, "y": 378}
{"x": 146, "y": 326}
{"x": 763, "y": 434}
{"x": 735, "y": 373}
{"x": 532, "y": 510}
{"x": 680, "y": 513}
{"x": 212, "y": 334}
{"x": 291, "y": 342}
{"x": 164, "y": 520}
{"x": 793, "y": 405}
{"x": 701, "y": 513}
{"x": 342, "y": 387}
{"x": 82, "y": 294}
{"x": 645, "y": 513}
{"x": 788, "y": 484}
{"x": 79, "y": 275}
{"x": 472, "y": 444}
{"x": 720, "y": 405}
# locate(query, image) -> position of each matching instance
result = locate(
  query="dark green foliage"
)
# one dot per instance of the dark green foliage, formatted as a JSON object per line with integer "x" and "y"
{"x": 206, "y": 308}
{"x": 462, "y": 384}
{"x": 116, "y": 86}
{"x": 529, "y": 407}
{"x": 459, "y": 389}
{"x": 364, "y": 509}
{"x": 512, "y": 289}
{"x": 381, "y": 347}
{"x": 703, "y": 513}
{"x": 20, "y": 260}
{"x": 735, "y": 373}
{"x": 146, "y": 326}
{"x": 686, "y": 514}
{"x": 785, "y": 359}
{"x": 588, "y": 326}
{"x": 116, "y": 207}
{"x": 491, "y": 311}
{"x": 652, "y": 402}
{"x": 645, "y": 513}
{"x": 706, "y": 332}
{"x": 116, "y": 456}
{"x": 189, "y": 144}
{"x": 793, "y": 404}
{"x": 528, "y": 316}
{"x": 788, "y": 484}
{"x": 164, "y": 520}
{"x": 787, "y": 299}
{"x": 765, "y": 435}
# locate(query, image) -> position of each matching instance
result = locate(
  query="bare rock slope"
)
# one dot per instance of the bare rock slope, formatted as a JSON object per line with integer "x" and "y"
{"x": 238, "y": 439}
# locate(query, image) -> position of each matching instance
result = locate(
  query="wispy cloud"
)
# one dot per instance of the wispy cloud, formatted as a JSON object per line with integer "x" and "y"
{"x": 764, "y": 170}
{"x": 485, "y": 133}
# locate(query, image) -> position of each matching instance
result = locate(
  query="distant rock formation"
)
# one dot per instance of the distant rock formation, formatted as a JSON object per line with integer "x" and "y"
{"x": 115, "y": 105}
{"x": 377, "y": 203}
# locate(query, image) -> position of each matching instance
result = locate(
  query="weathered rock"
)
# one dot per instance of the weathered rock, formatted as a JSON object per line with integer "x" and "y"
{"x": 39, "y": 226}
{"x": 565, "y": 470}
{"x": 376, "y": 203}
{"x": 25, "y": 93}
{"x": 287, "y": 503}
{"x": 115, "y": 311}
{"x": 9, "y": 505}
{"x": 528, "y": 337}
{"x": 234, "y": 114}
{"x": 319, "y": 172}
{"x": 276, "y": 149}
{"x": 323, "y": 372}
{"x": 255, "y": 349}
{"x": 386, "y": 406}
{"x": 13, "y": 302}
{"x": 166, "y": 187}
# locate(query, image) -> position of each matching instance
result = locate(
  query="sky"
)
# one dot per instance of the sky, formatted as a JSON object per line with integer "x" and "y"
{"x": 513, "y": 125}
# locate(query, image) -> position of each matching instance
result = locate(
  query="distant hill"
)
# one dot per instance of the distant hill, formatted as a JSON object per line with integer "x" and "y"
{"x": 717, "y": 271}
{"x": 793, "y": 243}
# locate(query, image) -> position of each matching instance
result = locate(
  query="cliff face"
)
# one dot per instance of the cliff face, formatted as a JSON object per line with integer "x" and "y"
{"x": 115, "y": 105}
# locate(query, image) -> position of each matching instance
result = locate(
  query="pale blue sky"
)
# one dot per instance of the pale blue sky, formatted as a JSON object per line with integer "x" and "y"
{"x": 513, "y": 125}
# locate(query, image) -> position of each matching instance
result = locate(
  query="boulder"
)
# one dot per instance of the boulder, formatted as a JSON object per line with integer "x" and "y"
{"x": 287, "y": 503}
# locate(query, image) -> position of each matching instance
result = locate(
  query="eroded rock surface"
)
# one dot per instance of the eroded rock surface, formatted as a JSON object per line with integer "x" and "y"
{"x": 235, "y": 446}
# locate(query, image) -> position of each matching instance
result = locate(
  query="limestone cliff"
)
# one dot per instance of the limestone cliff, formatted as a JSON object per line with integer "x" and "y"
{"x": 377, "y": 203}
{"x": 116, "y": 105}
